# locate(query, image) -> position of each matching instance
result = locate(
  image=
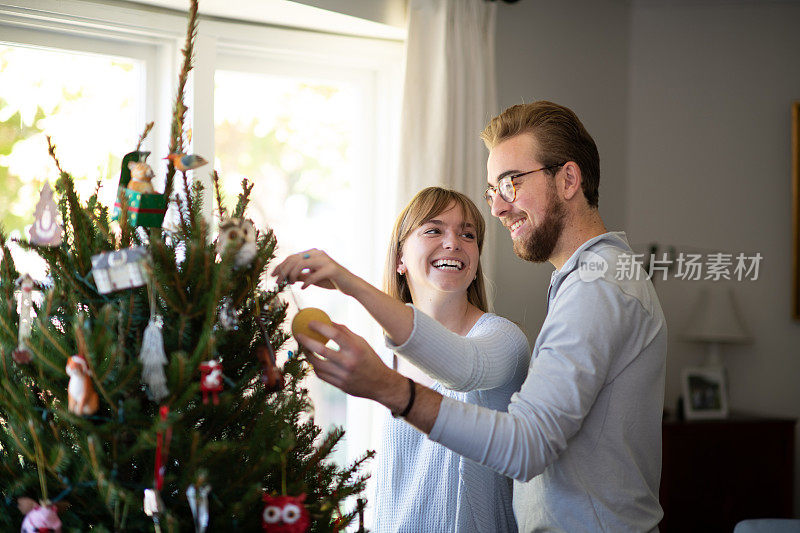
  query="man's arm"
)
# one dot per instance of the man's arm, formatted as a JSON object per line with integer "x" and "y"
{"x": 558, "y": 393}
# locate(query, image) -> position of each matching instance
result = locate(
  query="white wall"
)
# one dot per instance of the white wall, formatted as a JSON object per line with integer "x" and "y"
{"x": 689, "y": 103}
{"x": 574, "y": 53}
{"x": 709, "y": 167}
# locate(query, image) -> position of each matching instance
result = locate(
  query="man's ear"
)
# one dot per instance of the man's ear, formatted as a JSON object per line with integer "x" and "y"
{"x": 572, "y": 180}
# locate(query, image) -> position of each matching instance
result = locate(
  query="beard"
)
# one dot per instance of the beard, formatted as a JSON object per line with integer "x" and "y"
{"x": 538, "y": 246}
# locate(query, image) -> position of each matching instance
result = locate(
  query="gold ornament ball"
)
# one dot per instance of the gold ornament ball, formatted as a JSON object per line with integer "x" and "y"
{"x": 309, "y": 314}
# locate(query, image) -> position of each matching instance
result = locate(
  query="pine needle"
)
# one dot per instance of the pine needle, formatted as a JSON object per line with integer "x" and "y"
{"x": 143, "y": 136}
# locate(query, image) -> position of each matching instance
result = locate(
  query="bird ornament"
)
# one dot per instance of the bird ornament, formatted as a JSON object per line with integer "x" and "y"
{"x": 184, "y": 162}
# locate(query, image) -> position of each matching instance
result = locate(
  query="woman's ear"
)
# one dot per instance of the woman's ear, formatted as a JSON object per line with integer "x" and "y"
{"x": 401, "y": 267}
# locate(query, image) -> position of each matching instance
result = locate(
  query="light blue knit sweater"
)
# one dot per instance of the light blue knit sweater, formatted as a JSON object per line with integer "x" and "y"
{"x": 423, "y": 486}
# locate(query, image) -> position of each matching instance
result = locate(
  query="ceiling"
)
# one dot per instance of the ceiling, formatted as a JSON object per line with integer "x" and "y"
{"x": 288, "y": 14}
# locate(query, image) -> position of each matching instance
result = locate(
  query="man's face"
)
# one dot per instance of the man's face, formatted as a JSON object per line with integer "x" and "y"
{"x": 535, "y": 218}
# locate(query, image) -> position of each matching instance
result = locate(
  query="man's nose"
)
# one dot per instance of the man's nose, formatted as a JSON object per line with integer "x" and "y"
{"x": 499, "y": 206}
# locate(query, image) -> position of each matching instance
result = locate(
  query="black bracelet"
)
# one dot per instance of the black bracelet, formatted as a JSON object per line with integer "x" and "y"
{"x": 412, "y": 387}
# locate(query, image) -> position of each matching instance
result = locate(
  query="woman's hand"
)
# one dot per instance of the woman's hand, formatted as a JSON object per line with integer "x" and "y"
{"x": 315, "y": 267}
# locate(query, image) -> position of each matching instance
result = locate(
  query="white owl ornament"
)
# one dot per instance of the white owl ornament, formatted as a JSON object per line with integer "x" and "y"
{"x": 239, "y": 233}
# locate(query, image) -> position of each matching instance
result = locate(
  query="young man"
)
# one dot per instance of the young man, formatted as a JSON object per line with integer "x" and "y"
{"x": 582, "y": 438}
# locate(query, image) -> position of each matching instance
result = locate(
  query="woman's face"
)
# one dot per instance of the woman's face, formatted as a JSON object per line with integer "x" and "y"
{"x": 441, "y": 254}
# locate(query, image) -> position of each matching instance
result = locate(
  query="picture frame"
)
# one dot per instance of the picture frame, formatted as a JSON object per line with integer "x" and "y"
{"x": 705, "y": 393}
{"x": 796, "y": 210}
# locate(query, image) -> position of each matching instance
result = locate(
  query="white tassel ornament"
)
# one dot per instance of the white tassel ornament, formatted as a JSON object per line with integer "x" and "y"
{"x": 153, "y": 360}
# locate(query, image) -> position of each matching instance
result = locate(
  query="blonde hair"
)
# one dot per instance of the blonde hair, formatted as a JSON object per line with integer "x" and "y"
{"x": 428, "y": 203}
{"x": 560, "y": 136}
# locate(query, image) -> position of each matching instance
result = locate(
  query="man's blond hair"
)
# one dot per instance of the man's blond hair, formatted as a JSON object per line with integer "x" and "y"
{"x": 559, "y": 134}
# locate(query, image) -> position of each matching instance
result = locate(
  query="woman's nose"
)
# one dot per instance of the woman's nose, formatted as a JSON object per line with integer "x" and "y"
{"x": 450, "y": 241}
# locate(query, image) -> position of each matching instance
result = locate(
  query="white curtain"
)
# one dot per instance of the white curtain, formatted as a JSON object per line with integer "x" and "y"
{"x": 448, "y": 97}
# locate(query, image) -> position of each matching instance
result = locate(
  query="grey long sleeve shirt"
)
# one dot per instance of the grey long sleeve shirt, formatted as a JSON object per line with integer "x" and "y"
{"x": 582, "y": 438}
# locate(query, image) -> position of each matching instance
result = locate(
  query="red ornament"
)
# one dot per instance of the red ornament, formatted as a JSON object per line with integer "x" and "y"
{"x": 21, "y": 357}
{"x": 271, "y": 375}
{"x": 285, "y": 514}
{"x": 211, "y": 380}
{"x": 162, "y": 450}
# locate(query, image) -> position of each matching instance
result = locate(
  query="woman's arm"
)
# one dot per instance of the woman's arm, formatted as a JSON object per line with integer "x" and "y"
{"x": 495, "y": 356}
{"x": 496, "y": 353}
{"x": 315, "y": 267}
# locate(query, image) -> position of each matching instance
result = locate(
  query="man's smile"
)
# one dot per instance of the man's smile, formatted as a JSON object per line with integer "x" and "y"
{"x": 515, "y": 225}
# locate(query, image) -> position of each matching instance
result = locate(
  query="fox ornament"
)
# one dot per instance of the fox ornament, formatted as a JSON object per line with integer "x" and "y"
{"x": 83, "y": 398}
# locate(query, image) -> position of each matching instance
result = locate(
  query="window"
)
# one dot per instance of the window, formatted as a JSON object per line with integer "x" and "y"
{"x": 303, "y": 132}
{"x": 88, "y": 104}
{"x": 90, "y": 96}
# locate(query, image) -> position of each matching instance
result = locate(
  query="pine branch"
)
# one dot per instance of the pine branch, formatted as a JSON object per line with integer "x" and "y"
{"x": 8, "y": 271}
{"x": 75, "y": 218}
{"x": 143, "y": 136}
{"x": 179, "y": 111}
{"x": 187, "y": 195}
{"x": 244, "y": 198}
{"x": 51, "y": 149}
{"x": 223, "y": 213}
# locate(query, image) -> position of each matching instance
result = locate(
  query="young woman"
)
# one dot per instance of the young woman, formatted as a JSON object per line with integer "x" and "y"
{"x": 434, "y": 287}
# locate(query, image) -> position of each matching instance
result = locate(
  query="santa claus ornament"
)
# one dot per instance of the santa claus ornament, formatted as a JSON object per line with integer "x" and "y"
{"x": 46, "y": 231}
{"x": 211, "y": 380}
{"x": 285, "y": 514}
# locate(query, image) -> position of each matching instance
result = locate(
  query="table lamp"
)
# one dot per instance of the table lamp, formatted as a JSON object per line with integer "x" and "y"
{"x": 715, "y": 319}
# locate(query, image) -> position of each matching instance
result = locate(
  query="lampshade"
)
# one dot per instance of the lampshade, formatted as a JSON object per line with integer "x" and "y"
{"x": 716, "y": 318}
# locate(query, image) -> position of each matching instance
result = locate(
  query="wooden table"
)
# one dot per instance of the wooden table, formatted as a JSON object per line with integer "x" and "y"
{"x": 718, "y": 472}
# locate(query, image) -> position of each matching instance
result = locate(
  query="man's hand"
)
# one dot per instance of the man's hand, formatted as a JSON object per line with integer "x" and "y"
{"x": 356, "y": 369}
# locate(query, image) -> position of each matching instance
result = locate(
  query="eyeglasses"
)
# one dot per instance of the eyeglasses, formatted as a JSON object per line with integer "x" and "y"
{"x": 505, "y": 187}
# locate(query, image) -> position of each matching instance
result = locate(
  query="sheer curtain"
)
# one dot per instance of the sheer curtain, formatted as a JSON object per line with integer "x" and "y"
{"x": 449, "y": 95}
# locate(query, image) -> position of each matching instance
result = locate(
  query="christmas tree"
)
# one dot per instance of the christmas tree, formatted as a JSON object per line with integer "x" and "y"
{"x": 140, "y": 390}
